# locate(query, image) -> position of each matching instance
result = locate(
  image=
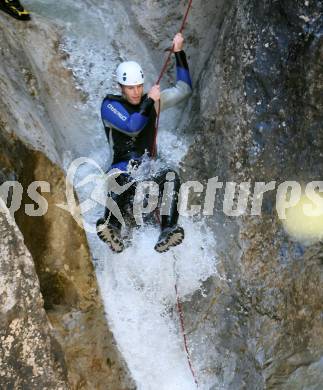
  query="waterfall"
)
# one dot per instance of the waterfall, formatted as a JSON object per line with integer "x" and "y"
{"x": 137, "y": 286}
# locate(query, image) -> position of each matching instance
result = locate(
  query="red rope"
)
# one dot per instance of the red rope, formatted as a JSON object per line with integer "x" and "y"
{"x": 181, "y": 317}
{"x": 154, "y": 150}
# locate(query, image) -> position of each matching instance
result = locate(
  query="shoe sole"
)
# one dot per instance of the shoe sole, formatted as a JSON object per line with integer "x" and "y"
{"x": 108, "y": 236}
{"x": 172, "y": 239}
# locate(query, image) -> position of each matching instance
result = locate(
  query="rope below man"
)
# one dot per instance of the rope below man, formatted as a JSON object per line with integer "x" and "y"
{"x": 129, "y": 121}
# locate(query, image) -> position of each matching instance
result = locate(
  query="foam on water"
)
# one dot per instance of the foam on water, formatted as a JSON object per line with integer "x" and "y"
{"x": 138, "y": 289}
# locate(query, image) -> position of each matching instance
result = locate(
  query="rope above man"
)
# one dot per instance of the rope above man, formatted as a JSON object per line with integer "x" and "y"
{"x": 129, "y": 121}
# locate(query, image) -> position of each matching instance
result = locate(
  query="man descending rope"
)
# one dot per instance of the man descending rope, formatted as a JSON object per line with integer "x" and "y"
{"x": 129, "y": 122}
{"x": 15, "y": 9}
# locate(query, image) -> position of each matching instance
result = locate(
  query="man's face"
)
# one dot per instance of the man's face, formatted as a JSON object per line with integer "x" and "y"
{"x": 133, "y": 93}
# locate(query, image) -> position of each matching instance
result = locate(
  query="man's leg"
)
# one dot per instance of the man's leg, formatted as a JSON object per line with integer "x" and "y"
{"x": 15, "y": 9}
{"x": 171, "y": 234}
{"x": 109, "y": 227}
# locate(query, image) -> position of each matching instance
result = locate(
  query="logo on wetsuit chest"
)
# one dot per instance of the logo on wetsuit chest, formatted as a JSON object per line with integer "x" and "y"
{"x": 118, "y": 113}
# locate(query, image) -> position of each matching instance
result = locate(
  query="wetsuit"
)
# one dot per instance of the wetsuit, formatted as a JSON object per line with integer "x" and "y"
{"x": 130, "y": 132}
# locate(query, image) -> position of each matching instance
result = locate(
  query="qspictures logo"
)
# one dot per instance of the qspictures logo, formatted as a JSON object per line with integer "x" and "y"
{"x": 238, "y": 198}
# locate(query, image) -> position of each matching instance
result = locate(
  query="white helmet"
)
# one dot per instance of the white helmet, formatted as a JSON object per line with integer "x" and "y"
{"x": 130, "y": 73}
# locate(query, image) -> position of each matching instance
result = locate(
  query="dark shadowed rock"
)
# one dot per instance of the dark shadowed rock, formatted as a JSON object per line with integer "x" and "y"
{"x": 256, "y": 114}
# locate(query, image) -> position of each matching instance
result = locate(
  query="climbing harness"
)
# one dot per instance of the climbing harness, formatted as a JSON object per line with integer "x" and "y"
{"x": 182, "y": 322}
{"x": 164, "y": 68}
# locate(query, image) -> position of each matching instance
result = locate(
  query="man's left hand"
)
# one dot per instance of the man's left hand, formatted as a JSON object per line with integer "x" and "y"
{"x": 178, "y": 42}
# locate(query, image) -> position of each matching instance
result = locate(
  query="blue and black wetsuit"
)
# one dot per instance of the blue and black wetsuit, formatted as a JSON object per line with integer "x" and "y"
{"x": 130, "y": 128}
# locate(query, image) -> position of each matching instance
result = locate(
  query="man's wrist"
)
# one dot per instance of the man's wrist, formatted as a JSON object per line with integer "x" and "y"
{"x": 177, "y": 50}
{"x": 181, "y": 59}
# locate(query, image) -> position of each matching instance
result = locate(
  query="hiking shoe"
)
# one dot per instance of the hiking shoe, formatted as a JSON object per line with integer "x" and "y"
{"x": 169, "y": 237}
{"x": 15, "y": 9}
{"x": 110, "y": 235}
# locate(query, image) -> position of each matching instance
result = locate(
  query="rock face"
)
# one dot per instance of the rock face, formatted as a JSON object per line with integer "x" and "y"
{"x": 67, "y": 288}
{"x": 30, "y": 356}
{"x": 38, "y": 97}
{"x": 68, "y": 285}
{"x": 260, "y": 117}
{"x": 256, "y": 115}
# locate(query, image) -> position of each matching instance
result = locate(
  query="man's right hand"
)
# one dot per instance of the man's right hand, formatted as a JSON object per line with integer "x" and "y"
{"x": 154, "y": 93}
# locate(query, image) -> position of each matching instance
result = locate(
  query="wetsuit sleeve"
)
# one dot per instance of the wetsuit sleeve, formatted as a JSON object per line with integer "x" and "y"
{"x": 183, "y": 88}
{"x": 115, "y": 115}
